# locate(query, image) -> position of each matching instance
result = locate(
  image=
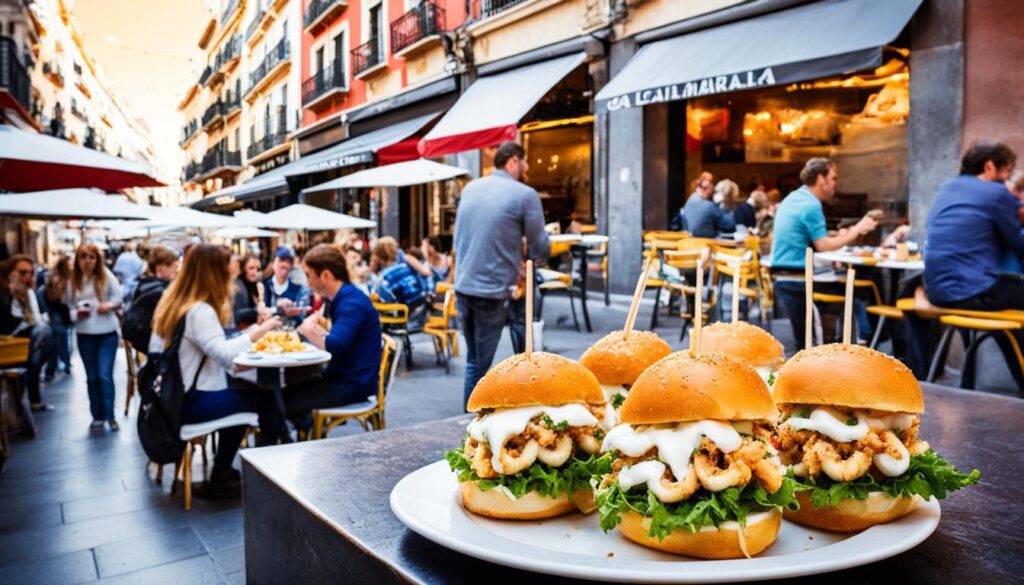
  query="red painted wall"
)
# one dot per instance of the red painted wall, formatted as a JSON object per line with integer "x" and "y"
{"x": 455, "y": 15}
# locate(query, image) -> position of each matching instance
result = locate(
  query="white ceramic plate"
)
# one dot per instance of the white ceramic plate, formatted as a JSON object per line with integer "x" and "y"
{"x": 427, "y": 501}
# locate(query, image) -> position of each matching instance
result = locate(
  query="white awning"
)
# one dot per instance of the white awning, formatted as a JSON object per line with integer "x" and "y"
{"x": 186, "y": 217}
{"x": 241, "y": 233}
{"x": 489, "y": 112}
{"x": 815, "y": 40}
{"x": 308, "y": 217}
{"x": 70, "y": 204}
{"x": 413, "y": 172}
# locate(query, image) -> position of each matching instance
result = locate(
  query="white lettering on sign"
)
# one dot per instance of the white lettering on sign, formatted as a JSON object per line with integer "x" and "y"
{"x": 692, "y": 89}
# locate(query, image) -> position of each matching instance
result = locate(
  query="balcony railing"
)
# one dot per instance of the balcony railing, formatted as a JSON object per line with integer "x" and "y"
{"x": 320, "y": 9}
{"x": 205, "y": 75}
{"x": 488, "y": 8}
{"x": 189, "y": 130}
{"x": 268, "y": 141}
{"x": 255, "y": 24}
{"x": 366, "y": 56}
{"x": 51, "y": 71}
{"x": 278, "y": 55}
{"x": 192, "y": 171}
{"x": 13, "y": 76}
{"x": 231, "y": 50}
{"x": 220, "y": 158}
{"x": 328, "y": 79}
{"x": 213, "y": 112}
{"x": 232, "y": 6}
{"x": 230, "y": 104}
{"x": 423, "y": 21}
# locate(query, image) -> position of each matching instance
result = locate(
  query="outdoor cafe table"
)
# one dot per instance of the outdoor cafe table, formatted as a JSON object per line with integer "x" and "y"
{"x": 895, "y": 267}
{"x": 319, "y": 511}
{"x": 279, "y": 363}
{"x": 579, "y": 246}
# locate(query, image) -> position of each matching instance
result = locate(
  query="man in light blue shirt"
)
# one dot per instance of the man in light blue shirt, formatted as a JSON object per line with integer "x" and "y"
{"x": 495, "y": 214}
{"x": 799, "y": 224}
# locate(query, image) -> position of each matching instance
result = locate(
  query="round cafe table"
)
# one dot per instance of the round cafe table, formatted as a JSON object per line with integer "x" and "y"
{"x": 312, "y": 356}
{"x": 579, "y": 246}
{"x": 895, "y": 267}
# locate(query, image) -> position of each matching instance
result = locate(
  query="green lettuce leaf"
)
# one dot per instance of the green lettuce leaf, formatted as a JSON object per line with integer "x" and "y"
{"x": 929, "y": 475}
{"x": 702, "y": 509}
{"x": 548, "y": 481}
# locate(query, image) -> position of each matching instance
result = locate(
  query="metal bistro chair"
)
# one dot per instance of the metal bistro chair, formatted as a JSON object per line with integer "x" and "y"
{"x": 441, "y": 330}
{"x": 690, "y": 260}
{"x": 976, "y": 327}
{"x": 394, "y": 320}
{"x": 369, "y": 413}
{"x": 658, "y": 247}
{"x": 726, "y": 262}
{"x": 13, "y": 354}
{"x": 196, "y": 435}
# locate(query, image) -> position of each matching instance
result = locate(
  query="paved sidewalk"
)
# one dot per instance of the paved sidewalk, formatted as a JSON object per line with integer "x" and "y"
{"x": 79, "y": 506}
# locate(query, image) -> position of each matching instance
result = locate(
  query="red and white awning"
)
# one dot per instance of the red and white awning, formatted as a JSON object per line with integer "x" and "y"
{"x": 489, "y": 112}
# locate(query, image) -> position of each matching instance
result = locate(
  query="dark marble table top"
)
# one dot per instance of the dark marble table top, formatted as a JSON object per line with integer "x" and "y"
{"x": 347, "y": 483}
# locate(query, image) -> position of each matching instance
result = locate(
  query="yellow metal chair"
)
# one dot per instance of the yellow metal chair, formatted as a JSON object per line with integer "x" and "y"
{"x": 975, "y": 331}
{"x": 13, "y": 354}
{"x": 690, "y": 260}
{"x": 394, "y": 320}
{"x": 553, "y": 281}
{"x": 441, "y": 330}
{"x": 370, "y": 413}
{"x": 726, "y": 261}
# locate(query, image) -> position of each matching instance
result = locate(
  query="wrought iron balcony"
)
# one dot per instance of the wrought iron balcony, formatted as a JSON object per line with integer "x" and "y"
{"x": 230, "y": 104}
{"x": 189, "y": 130}
{"x": 327, "y": 80}
{"x": 423, "y": 21}
{"x": 268, "y": 141}
{"x": 212, "y": 113}
{"x": 192, "y": 171}
{"x": 320, "y": 10}
{"x": 278, "y": 55}
{"x": 366, "y": 56}
{"x": 232, "y": 6}
{"x": 218, "y": 159}
{"x": 255, "y": 24}
{"x": 205, "y": 75}
{"x": 53, "y": 73}
{"x": 488, "y": 8}
{"x": 13, "y": 76}
{"x": 232, "y": 49}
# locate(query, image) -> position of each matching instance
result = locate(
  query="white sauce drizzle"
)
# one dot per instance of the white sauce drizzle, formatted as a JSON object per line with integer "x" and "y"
{"x": 611, "y": 415}
{"x": 498, "y": 427}
{"x": 765, "y": 372}
{"x": 676, "y": 446}
{"x": 832, "y": 423}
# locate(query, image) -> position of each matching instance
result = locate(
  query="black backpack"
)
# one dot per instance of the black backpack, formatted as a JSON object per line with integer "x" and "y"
{"x": 163, "y": 395}
{"x": 137, "y": 324}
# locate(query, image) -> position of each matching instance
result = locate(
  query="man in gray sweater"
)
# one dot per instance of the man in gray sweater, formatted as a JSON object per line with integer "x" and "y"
{"x": 495, "y": 214}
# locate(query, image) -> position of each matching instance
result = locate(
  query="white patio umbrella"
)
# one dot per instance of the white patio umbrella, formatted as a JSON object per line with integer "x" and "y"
{"x": 241, "y": 233}
{"x": 187, "y": 217}
{"x": 36, "y": 162}
{"x": 413, "y": 172}
{"x": 70, "y": 204}
{"x": 307, "y": 217}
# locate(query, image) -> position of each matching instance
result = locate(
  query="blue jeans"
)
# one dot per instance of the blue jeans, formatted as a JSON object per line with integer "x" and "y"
{"x": 59, "y": 349}
{"x": 202, "y": 406}
{"x": 98, "y": 353}
{"x": 482, "y": 320}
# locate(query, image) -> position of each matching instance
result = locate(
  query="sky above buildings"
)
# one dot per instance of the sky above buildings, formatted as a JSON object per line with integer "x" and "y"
{"x": 147, "y": 51}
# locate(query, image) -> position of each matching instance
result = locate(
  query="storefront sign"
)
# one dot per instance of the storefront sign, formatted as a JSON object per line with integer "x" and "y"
{"x": 340, "y": 161}
{"x": 692, "y": 89}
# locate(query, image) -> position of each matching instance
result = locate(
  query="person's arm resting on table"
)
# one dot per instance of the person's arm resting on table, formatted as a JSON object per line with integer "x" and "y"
{"x": 826, "y": 243}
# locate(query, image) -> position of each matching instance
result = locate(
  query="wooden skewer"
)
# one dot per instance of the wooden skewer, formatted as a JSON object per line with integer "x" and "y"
{"x": 809, "y": 298}
{"x": 634, "y": 308}
{"x": 698, "y": 310}
{"x": 529, "y": 308}
{"x": 736, "y": 292}
{"x": 848, "y": 306}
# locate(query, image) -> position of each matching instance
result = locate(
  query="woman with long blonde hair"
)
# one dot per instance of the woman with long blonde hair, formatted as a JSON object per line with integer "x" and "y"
{"x": 197, "y": 306}
{"x": 93, "y": 298}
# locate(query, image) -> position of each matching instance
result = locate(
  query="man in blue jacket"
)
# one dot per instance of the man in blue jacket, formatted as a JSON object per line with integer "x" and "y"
{"x": 973, "y": 229}
{"x": 280, "y": 292}
{"x": 353, "y": 338}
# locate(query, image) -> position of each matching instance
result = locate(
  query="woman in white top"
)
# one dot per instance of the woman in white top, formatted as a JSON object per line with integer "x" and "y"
{"x": 202, "y": 295}
{"x": 93, "y": 298}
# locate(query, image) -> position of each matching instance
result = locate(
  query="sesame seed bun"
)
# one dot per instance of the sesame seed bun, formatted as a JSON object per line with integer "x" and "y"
{"x": 848, "y": 375}
{"x": 617, "y": 361}
{"x": 746, "y": 342}
{"x": 543, "y": 378}
{"x": 722, "y": 543}
{"x": 686, "y": 387}
{"x": 851, "y": 515}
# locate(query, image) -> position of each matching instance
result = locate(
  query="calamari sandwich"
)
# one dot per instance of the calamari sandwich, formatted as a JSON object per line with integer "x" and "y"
{"x": 848, "y": 431}
{"x": 531, "y": 451}
{"x": 748, "y": 343}
{"x": 618, "y": 362}
{"x": 694, "y": 470}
